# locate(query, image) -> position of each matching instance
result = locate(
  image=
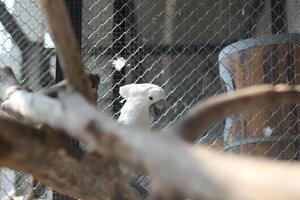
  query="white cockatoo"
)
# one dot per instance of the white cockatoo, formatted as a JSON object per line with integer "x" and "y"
{"x": 143, "y": 102}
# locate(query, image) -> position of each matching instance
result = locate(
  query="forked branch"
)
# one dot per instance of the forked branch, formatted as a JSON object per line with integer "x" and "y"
{"x": 176, "y": 167}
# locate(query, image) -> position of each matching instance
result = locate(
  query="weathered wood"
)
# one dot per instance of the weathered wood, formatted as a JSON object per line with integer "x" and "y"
{"x": 177, "y": 167}
{"x": 47, "y": 156}
{"x": 67, "y": 47}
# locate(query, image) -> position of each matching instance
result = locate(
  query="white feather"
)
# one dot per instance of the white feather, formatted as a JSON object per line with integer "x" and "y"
{"x": 119, "y": 63}
{"x": 267, "y": 131}
{"x": 135, "y": 111}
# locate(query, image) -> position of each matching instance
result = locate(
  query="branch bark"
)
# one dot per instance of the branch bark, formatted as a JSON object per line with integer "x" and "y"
{"x": 178, "y": 168}
{"x": 212, "y": 110}
{"x": 67, "y": 47}
{"x": 175, "y": 166}
{"x": 46, "y": 156}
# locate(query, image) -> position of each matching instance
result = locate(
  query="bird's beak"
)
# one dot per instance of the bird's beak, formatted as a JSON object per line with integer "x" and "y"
{"x": 158, "y": 108}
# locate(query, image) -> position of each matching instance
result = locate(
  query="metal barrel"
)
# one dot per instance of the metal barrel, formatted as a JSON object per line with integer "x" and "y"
{"x": 271, "y": 59}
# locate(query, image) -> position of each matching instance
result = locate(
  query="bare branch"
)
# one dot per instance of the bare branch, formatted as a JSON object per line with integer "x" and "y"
{"x": 47, "y": 156}
{"x": 67, "y": 47}
{"x": 175, "y": 166}
{"x": 213, "y": 109}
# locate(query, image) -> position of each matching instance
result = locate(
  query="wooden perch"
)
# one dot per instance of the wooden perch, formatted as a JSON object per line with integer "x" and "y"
{"x": 250, "y": 98}
{"x": 176, "y": 167}
{"x": 67, "y": 47}
{"x": 179, "y": 170}
{"x": 46, "y": 156}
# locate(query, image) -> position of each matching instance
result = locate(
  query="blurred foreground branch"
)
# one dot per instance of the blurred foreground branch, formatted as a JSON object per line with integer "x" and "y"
{"x": 250, "y": 98}
{"x": 176, "y": 167}
{"x": 67, "y": 47}
{"x": 179, "y": 170}
{"x": 47, "y": 156}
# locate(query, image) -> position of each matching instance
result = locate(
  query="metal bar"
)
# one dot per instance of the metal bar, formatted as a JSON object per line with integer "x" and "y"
{"x": 166, "y": 49}
{"x": 255, "y": 10}
{"x": 120, "y": 14}
{"x": 278, "y": 15}
{"x": 137, "y": 54}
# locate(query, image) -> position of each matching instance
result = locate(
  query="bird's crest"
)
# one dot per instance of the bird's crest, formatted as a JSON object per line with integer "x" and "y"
{"x": 134, "y": 90}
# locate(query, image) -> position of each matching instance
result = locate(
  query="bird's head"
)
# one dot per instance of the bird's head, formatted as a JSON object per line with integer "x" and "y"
{"x": 147, "y": 95}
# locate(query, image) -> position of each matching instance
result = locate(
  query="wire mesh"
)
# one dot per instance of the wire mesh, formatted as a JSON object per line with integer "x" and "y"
{"x": 174, "y": 44}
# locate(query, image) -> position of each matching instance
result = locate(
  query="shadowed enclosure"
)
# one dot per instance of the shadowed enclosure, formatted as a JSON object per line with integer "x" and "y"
{"x": 193, "y": 49}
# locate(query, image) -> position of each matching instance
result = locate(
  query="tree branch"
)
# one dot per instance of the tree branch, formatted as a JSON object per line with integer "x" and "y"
{"x": 178, "y": 168}
{"x": 51, "y": 160}
{"x": 67, "y": 47}
{"x": 175, "y": 166}
{"x": 11, "y": 26}
{"x": 214, "y": 109}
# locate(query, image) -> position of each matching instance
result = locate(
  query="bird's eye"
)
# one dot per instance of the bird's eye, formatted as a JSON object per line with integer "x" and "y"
{"x": 151, "y": 98}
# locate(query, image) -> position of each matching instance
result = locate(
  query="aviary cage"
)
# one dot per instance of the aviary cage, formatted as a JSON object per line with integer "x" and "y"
{"x": 172, "y": 43}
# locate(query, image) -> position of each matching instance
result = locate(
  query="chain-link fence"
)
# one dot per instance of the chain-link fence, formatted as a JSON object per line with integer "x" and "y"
{"x": 192, "y": 48}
